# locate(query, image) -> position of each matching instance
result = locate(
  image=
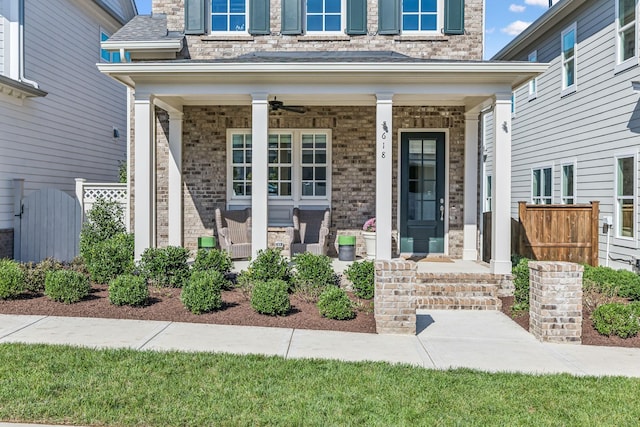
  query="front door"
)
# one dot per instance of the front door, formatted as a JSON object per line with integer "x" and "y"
{"x": 422, "y": 197}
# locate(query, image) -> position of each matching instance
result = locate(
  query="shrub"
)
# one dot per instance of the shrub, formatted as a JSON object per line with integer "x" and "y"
{"x": 520, "y": 273}
{"x": 312, "y": 275}
{"x": 361, "y": 275}
{"x": 11, "y": 279}
{"x": 623, "y": 283}
{"x": 270, "y": 265}
{"x": 213, "y": 259}
{"x": 66, "y": 286}
{"x": 271, "y": 297}
{"x": 104, "y": 221}
{"x": 335, "y": 304}
{"x": 35, "y": 274}
{"x": 111, "y": 258}
{"x": 244, "y": 284}
{"x": 618, "y": 319}
{"x": 202, "y": 292}
{"x": 128, "y": 289}
{"x": 165, "y": 266}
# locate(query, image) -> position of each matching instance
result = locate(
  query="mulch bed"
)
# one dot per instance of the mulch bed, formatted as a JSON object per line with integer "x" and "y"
{"x": 164, "y": 304}
{"x": 589, "y": 335}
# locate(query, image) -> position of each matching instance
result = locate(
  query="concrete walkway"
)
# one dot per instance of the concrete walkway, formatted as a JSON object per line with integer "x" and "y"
{"x": 483, "y": 340}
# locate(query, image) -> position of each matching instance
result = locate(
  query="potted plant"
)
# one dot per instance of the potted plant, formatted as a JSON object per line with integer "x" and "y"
{"x": 369, "y": 235}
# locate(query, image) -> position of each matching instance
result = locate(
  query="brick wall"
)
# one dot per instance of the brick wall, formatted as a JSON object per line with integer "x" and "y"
{"x": 353, "y": 163}
{"x": 459, "y": 47}
{"x": 6, "y": 243}
{"x": 395, "y": 301}
{"x": 555, "y": 301}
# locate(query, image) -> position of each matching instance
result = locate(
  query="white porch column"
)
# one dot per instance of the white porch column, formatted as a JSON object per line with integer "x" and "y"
{"x": 384, "y": 174}
{"x": 175, "y": 178}
{"x": 501, "y": 191}
{"x": 260, "y": 171}
{"x": 143, "y": 168}
{"x": 469, "y": 251}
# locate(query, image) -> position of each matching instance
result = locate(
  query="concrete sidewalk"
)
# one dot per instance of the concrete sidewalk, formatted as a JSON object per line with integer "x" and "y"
{"x": 483, "y": 340}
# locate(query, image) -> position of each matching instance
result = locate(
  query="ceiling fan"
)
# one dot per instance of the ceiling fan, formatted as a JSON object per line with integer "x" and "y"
{"x": 279, "y": 105}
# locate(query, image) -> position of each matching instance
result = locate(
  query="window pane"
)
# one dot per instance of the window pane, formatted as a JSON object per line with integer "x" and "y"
{"x": 237, "y": 141}
{"x": 238, "y": 189}
{"x": 428, "y": 23}
{"x": 307, "y": 174}
{"x": 568, "y": 42}
{"x": 285, "y": 188}
{"x": 321, "y": 141}
{"x": 314, "y": 6}
{"x": 626, "y": 12}
{"x": 410, "y": 22}
{"x": 314, "y": 23}
{"x": 285, "y": 156}
{"x": 273, "y": 156}
{"x": 628, "y": 43}
{"x": 410, "y": 5}
{"x": 321, "y": 174}
{"x": 536, "y": 183}
{"x": 332, "y": 6}
{"x": 248, "y": 155}
{"x": 332, "y": 23}
{"x": 236, "y": 23}
{"x": 273, "y": 188}
{"x": 219, "y": 23}
{"x": 307, "y": 188}
{"x": 569, "y": 73}
{"x": 429, "y": 5}
{"x": 218, "y": 6}
{"x": 238, "y": 156}
{"x": 273, "y": 173}
{"x": 285, "y": 173}
{"x": 547, "y": 182}
{"x": 567, "y": 182}
{"x": 237, "y": 6}
{"x": 625, "y": 176}
{"x": 238, "y": 173}
{"x": 307, "y": 156}
{"x": 321, "y": 156}
{"x": 626, "y": 218}
{"x": 248, "y": 190}
{"x": 248, "y": 173}
{"x": 321, "y": 189}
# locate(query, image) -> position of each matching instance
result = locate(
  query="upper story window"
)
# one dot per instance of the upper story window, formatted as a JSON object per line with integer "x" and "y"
{"x": 420, "y": 15}
{"x": 625, "y": 195}
{"x": 569, "y": 60}
{"x": 626, "y": 30}
{"x": 541, "y": 186}
{"x": 324, "y": 15}
{"x": 228, "y": 15}
{"x": 533, "y": 84}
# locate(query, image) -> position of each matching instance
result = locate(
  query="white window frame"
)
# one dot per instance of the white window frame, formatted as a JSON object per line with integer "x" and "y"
{"x": 533, "y": 83}
{"x": 538, "y": 200}
{"x": 568, "y": 89}
{"x": 513, "y": 104}
{"x": 228, "y": 32}
{"x": 439, "y": 22}
{"x": 633, "y": 154}
{"x": 343, "y": 21}
{"x": 488, "y": 200}
{"x": 574, "y": 196}
{"x": 622, "y": 65}
{"x": 296, "y": 199}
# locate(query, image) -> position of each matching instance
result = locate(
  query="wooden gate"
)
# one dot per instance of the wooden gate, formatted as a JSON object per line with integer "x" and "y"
{"x": 50, "y": 222}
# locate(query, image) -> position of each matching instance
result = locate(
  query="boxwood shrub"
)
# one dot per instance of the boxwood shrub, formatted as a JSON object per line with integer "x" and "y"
{"x": 128, "y": 289}
{"x": 312, "y": 274}
{"x": 361, "y": 275}
{"x": 270, "y": 265}
{"x": 213, "y": 259}
{"x": 66, "y": 286}
{"x": 618, "y": 319}
{"x": 623, "y": 283}
{"x": 165, "y": 266}
{"x": 202, "y": 292}
{"x": 111, "y": 258}
{"x": 271, "y": 297}
{"x": 104, "y": 221}
{"x": 335, "y": 304}
{"x": 36, "y": 273}
{"x": 11, "y": 279}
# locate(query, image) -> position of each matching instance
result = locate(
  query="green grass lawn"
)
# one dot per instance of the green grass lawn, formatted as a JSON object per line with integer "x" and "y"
{"x": 58, "y": 384}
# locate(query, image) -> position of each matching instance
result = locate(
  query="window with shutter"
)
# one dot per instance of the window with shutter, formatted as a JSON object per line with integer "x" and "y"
{"x": 454, "y": 17}
{"x": 228, "y": 16}
{"x": 356, "y": 17}
{"x": 291, "y": 17}
{"x": 259, "y": 17}
{"x": 194, "y": 16}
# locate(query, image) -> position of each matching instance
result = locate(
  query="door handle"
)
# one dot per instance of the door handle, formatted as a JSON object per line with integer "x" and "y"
{"x": 441, "y": 212}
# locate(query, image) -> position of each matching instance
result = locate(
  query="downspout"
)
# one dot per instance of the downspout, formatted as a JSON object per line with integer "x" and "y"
{"x": 21, "y": 76}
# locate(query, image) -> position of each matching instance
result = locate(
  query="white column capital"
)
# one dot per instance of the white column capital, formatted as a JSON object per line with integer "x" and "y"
{"x": 472, "y": 116}
{"x": 502, "y": 98}
{"x": 176, "y": 115}
{"x": 259, "y": 97}
{"x": 384, "y": 97}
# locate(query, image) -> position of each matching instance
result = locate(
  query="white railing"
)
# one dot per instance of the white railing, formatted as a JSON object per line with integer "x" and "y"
{"x": 88, "y": 192}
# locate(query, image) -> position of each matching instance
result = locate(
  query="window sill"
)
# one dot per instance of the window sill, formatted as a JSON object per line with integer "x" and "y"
{"x": 420, "y": 38}
{"x": 227, "y": 38}
{"x": 533, "y": 96}
{"x": 568, "y": 91}
{"x": 626, "y": 65}
{"x": 324, "y": 38}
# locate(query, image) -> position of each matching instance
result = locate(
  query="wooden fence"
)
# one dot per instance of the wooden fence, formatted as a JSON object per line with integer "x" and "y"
{"x": 551, "y": 233}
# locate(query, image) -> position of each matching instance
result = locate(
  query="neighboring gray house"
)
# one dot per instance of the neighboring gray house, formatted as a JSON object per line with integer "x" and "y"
{"x": 576, "y": 128}
{"x": 60, "y": 118}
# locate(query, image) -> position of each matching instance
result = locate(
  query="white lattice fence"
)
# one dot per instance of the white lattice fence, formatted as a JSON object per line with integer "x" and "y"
{"x": 89, "y": 193}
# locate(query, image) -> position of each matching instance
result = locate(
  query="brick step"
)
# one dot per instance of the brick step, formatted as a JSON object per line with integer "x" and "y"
{"x": 489, "y": 279}
{"x": 457, "y": 303}
{"x": 457, "y": 289}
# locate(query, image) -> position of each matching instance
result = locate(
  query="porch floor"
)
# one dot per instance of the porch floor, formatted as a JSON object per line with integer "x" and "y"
{"x": 457, "y": 266}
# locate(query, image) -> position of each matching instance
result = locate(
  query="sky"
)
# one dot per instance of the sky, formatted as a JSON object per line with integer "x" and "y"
{"x": 504, "y": 20}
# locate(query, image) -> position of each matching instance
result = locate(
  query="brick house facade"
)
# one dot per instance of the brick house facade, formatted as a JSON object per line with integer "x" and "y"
{"x": 376, "y": 90}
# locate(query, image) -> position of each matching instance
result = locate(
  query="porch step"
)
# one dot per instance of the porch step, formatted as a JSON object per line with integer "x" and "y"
{"x": 458, "y": 291}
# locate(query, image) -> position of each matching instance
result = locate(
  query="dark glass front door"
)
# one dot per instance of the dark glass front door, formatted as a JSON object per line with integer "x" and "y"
{"x": 422, "y": 197}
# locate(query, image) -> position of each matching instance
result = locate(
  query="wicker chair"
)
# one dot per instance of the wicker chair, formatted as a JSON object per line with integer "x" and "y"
{"x": 234, "y": 232}
{"x": 310, "y": 231}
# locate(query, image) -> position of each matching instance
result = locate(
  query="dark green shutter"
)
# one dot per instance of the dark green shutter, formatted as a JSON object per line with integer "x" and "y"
{"x": 388, "y": 16}
{"x": 291, "y": 17}
{"x": 259, "y": 16}
{"x": 454, "y": 16}
{"x": 194, "y": 17}
{"x": 356, "y": 17}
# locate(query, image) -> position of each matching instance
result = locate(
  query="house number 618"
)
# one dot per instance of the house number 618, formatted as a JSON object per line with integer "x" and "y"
{"x": 383, "y": 136}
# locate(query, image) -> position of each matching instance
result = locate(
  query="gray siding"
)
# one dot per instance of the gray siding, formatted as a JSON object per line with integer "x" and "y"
{"x": 69, "y": 133}
{"x": 592, "y": 125}
{"x": 1, "y": 39}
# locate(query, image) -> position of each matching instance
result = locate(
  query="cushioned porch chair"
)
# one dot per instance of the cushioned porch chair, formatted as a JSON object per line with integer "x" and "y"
{"x": 310, "y": 231}
{"x": 234, "y": 232}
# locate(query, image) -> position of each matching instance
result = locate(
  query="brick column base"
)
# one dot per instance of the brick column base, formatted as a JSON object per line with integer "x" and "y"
{"x": 555, "y": 301}
{"x": 395, "y": 301}
{"x": 6, "y": 243}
